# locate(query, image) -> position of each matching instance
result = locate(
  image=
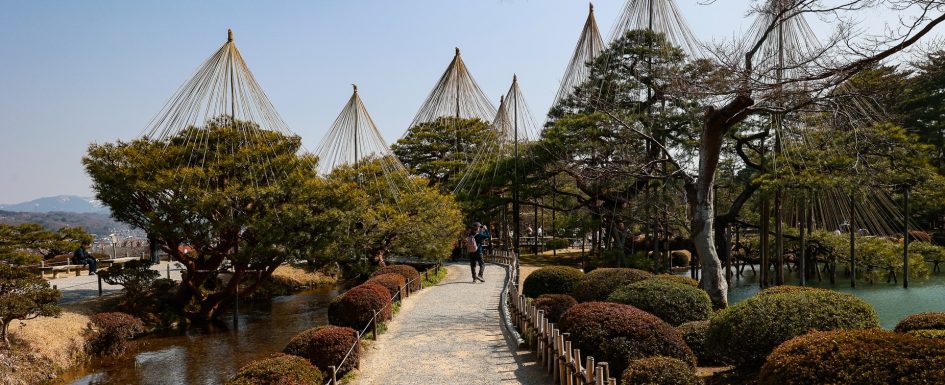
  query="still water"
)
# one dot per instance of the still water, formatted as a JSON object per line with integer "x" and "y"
{"x": 210, "y": 355}
{"x": 891, "y": 301}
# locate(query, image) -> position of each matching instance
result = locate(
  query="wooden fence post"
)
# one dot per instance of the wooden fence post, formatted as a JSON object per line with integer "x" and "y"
{"x": 374, "y": 325}
{"x": 334, "y": 374}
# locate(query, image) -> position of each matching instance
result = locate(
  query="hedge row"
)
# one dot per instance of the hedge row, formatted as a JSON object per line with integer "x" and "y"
{"x": 862, "y": 357}
{"x": 673, "y": 302}
{"x": 551, "y": 280}
{"x": 599, "y": 284}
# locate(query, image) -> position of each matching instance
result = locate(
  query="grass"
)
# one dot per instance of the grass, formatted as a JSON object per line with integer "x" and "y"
{"x": 432, "y": 277}
{"x": 44, "y": 347}
{"x": 298, "y": 277}
{"x": 566, "y": 257}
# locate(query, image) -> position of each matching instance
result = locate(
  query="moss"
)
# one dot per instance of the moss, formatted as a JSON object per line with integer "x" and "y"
{"x": 673, "y": 302}
{"x": 551, "y": 280}
{"x": 746, "y": 333}
{"x": 862, "y": 357}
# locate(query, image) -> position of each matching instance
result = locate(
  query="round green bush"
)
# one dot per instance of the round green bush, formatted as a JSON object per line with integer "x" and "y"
{"x": 408, "y": 272}
{"x": 788, "y": 289}
{"x": 554, "y": 305}
{"x": 393, "y": 282}
{"x": 922, "y": 321}
{"x": 617, "y": 334}
{"x": 660, "y": 371}
{"x": 694, "y": 333}
{"x": 355, "y": 308}
{"x": 326, "y": 346}
{"x": 111, "y": 332}
{"x": 551, "y": 280}
{"x": 673, "y": 302}
{"x": 677, "y": 279}
{"x": 280, "y": 369}
{"x": 744, "y": 334}
{"x": 598, "y": 284}
{"x": 681, "y": 258}
{"x": 862, "y": 357}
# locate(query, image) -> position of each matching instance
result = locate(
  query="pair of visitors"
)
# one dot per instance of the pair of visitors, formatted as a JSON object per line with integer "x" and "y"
{"x": 475, "y": 237}
{"x": 81, "y": 256}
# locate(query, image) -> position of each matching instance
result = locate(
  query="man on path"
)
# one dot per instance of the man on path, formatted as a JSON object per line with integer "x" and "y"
{"x": 82, "y": 257}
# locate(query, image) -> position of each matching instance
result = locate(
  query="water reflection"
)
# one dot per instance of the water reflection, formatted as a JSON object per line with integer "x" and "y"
{"x": 210, "y": 355}
{"x": 891, "y": 301}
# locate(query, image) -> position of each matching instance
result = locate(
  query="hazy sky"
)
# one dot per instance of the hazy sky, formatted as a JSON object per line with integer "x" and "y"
{"x": 76, "y": 72}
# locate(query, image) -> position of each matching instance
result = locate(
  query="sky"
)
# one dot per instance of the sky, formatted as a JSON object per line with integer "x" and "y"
{"x": 94, "y": 71}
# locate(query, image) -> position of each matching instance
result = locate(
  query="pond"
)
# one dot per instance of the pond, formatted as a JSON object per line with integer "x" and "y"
{"x": 210, "y": 355}
{"x": 891, "y": 301}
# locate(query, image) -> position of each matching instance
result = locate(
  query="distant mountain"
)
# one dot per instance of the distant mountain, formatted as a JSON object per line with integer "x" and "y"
{"x": 62, "y": 203}
{"x": 100, "y": 224}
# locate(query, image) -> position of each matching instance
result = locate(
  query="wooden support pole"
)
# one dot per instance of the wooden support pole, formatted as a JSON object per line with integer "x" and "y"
{"x": 905, "y": 239}
{"x": 802, "y": 257}
{"x": 852, "y": 241}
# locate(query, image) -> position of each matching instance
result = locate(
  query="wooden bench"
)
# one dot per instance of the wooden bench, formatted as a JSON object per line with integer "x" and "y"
{"x": 55, "y": 270}
{"x": 115, "y": 261}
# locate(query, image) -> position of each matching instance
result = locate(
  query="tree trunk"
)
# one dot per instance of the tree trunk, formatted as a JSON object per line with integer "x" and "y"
{"x": 4, "y": 326}
{"x": 717, "y": 123}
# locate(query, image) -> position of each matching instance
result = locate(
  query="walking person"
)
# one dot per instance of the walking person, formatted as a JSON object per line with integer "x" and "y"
{"x": 82, "y": 257}
{"x": 472, "y": 251}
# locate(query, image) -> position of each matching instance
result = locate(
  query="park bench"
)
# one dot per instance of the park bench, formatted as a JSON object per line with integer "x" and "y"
{"x": 115, "y": 261}
{"x": 56, "y": 269}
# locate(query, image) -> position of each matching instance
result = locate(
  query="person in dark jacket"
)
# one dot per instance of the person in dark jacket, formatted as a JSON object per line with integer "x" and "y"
{"x": 82, "y": 257}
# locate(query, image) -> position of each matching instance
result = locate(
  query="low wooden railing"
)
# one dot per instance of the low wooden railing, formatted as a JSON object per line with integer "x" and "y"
{"x": 555, "y": 353}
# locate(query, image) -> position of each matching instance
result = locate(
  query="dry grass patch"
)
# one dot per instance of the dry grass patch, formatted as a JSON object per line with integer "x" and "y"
{"x": 297, "y": 277}
{"x": 43, "y": 348}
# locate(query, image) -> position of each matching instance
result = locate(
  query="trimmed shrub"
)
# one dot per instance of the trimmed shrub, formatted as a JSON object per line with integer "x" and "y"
{"x": 551, "y": 280}
{"x": 381, "y": 291}
{"x": 598, "y": 284}
{"x": 681, "y": 258}
{"x": 408, "y": 272}
{"x": 355, "y": 308}
{"x": 391, "y": 281}
{"x": 279, "y": 369}
{"x": 862, "y": 357}
{"x": 135, "y": 276}
{"x": 744, "y": 334}
{"x": 617, "y": 334}
{"x": 694, "y": 333}
{"x": 788, "y": 289}
{"x": 326, "y": 346}
{"x": 922, "y": 321}
{"x": 677, "y": 279}
{"x": 660, "y": 371}
{"x": 556, "y": 244}
{"x": 111, "y": 333}
{"x": 673, "y": 302}
{"x": 929, "y": 333}
{"x": 554, "y": 305}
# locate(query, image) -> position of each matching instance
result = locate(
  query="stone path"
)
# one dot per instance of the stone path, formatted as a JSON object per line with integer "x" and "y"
{"x": 85, "y": 286}
{"x": 450, "y": 334}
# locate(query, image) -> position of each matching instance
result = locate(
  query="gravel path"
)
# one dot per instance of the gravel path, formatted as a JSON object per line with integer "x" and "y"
{"x": 450, "y": 334}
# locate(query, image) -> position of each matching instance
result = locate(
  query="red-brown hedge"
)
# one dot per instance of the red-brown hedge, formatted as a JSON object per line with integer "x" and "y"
{"x": 279, "y": 369}
{"x": 862, "y": 357}
{"x": 599, "y": 284}
{"x": 618, "y": 334}
{"x": 111, "y": 333}
{"x": 355, "y": 308}
{"x": 326, "y": 346}
{"x": 408, "y": 272}
{"x": 922, "y": 321}
{"x": 554, "y": 305}
{"x": 393, "y": 282}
